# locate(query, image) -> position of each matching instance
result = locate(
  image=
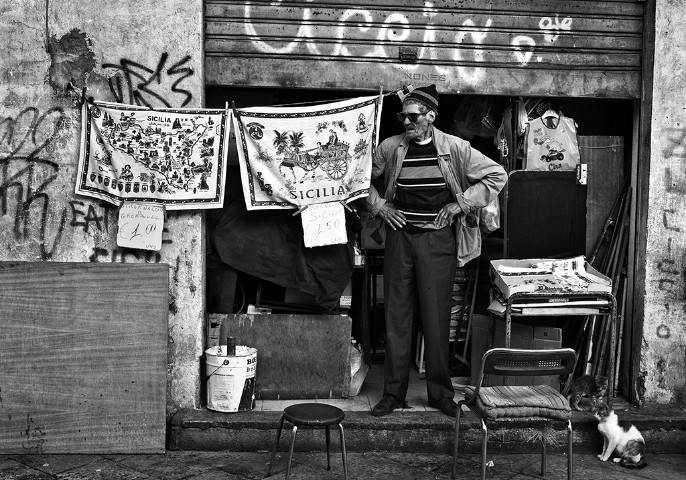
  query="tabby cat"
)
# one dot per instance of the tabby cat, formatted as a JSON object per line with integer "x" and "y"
{"x": 620, "y": 437}
{"x": 586, "y": 392}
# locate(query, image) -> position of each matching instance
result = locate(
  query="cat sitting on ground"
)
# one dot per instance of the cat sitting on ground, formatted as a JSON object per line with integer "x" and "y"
{"x": 586, "y": 392}
{"x": 620, "y": 437}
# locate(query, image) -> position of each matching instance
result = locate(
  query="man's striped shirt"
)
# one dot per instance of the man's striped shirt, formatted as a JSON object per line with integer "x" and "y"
{"x": 421, "y": 190}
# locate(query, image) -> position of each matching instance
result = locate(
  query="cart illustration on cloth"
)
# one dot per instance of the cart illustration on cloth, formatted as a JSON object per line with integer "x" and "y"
{"x": 294, "y": 156}
{"x": 332, "y": 157}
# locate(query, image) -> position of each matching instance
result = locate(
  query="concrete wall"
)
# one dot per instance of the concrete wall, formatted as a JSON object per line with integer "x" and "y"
{"x": 128, "y": 51}
{"x": 663, "y": 353}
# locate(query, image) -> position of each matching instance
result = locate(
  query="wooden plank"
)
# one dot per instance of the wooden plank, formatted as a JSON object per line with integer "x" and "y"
{"x": 632, "y": 267}
{"x": 605, "y": 159}
{"x": 83, "y": 358}
{"x": 364, "y": 76}
{"x": 298, "y": 356}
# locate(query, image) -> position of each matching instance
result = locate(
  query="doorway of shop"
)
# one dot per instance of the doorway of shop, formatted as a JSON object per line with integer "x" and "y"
{"x": 497, "y": 126}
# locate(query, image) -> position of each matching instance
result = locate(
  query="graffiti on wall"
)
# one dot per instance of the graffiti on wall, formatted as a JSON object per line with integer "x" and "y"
{"x": 27, "y": 176}
{"x": 671, "y": 269}
{"x": 26, "y": 172}
{"x": 126, "y": 255}
{"x": 138, "y": 84}
{"x": 395, "y": 28}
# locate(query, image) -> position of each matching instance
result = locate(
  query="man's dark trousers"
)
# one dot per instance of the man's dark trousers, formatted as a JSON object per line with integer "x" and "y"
{"x": 419, "y": 270}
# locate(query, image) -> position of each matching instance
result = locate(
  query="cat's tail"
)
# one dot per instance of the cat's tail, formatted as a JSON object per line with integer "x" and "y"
{"x": 635, "y": 462}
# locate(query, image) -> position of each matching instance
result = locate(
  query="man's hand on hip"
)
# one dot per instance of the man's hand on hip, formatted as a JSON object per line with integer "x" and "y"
{"x": 392, "y": 217}
{"x": 447, "y": 215}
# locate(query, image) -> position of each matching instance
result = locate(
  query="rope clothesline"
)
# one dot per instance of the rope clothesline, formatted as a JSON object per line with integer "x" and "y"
{"x": 83, "y": 98}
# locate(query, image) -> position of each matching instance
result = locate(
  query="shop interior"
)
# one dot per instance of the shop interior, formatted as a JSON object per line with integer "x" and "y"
{"x": 542, "y": 215}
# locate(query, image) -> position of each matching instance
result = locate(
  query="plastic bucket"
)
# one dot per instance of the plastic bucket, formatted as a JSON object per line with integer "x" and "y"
{"x": 231, "y": 379}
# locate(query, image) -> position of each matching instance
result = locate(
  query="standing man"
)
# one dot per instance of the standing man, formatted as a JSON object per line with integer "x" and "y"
{"x": 434, "y": 185}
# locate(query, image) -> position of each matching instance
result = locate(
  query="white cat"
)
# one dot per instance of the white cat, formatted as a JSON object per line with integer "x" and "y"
{"x": 626, "y": 440}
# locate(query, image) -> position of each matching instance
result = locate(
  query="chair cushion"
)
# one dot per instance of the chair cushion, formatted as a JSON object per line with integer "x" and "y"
{"x": 313, "y": 414}
{"x": 520, "y": 401}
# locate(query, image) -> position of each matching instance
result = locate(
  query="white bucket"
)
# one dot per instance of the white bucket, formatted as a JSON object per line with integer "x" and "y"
{"x": 231, "y": 379}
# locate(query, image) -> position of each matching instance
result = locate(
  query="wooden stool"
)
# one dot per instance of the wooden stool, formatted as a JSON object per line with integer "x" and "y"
{"x": 311, "y": 415}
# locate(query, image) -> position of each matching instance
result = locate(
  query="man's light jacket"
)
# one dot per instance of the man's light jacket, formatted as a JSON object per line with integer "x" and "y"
{"x": 473, "y": 179}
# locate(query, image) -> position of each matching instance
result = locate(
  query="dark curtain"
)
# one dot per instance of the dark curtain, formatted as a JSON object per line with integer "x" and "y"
{"x": 268, "y": 244}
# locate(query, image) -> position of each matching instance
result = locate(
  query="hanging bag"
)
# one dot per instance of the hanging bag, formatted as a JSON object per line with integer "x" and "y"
{"x": 489, "y": 216}
{"x": 552, "y": 148}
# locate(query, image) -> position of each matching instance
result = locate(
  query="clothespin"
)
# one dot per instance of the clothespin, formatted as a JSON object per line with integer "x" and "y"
{"x": 299, "y": 211}
{"x": 226, "y": 109}
{"x": 236, "y": 115}
{"x": 405, "y": 91}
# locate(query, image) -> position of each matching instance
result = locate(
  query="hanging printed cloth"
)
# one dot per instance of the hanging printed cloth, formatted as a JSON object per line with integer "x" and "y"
{"x": 552, "y": 147}
{"x": 176, "y": 157}
{"x": 298, "y": 156}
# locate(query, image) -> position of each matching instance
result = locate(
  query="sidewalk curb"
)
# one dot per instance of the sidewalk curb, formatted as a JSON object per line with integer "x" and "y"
{"x": 663, "y": 428}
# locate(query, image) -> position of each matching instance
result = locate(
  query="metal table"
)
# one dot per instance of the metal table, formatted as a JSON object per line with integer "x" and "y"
{"x": 584, "y": 303}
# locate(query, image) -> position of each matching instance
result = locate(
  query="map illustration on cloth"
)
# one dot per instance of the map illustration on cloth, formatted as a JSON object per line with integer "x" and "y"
{"x": 172, "y": 156}
{"x": 296, "y": 156}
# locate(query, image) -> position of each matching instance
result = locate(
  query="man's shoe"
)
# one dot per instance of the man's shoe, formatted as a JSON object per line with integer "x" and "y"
{"x": 386, "y": 405}
{"x": 445, "y": 405}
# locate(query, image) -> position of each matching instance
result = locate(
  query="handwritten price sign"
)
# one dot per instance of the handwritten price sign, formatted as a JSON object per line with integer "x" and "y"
{"x": 324, "y": 224}
{"x": 140, "y": 225}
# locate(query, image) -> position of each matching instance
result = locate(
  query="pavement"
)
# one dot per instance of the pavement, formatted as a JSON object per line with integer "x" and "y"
{"x": 203, "y": 465}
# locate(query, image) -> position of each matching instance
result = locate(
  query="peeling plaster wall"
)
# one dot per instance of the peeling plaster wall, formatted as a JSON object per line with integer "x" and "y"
{"x": 127, "y": 51}
{"x": 663, "y": 352}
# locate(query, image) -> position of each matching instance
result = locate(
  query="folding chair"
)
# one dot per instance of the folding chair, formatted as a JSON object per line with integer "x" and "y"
{"x": 537, "y": 403}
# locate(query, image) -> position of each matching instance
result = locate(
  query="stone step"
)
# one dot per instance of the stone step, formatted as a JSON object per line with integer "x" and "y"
{"x": 663, "y": 428}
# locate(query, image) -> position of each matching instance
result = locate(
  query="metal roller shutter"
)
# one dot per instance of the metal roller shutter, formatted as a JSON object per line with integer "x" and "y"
{"x": 500, "y": 47}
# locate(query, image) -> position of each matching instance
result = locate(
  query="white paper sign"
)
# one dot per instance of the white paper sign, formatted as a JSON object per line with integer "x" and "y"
{"x": 324, "y": 224}
{"x": 140, "y": 225}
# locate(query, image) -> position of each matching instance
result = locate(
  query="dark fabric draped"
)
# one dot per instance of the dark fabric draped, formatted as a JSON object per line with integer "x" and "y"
{"x": 268, "y": 244}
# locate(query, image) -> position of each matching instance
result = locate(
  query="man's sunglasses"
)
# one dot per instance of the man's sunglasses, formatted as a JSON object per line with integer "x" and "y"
{"x": 412, "y": 117}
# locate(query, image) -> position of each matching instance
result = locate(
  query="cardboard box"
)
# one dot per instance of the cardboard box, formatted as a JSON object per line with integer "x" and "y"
{"x": 532, "y": 282}
{"x": 522, "y": 336}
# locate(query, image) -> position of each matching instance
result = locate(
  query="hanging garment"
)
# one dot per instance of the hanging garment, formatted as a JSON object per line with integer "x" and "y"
{"x": 552, "y": 146}
{"x": 511, "y": 156}
{"x": 501, "y": 139}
